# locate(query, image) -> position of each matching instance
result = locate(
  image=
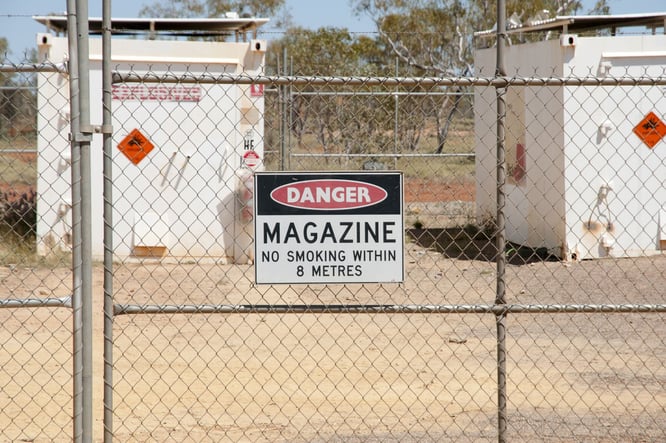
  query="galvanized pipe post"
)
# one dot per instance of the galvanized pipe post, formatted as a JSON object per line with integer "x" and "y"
{"x": 500, "y": 294}
{"x": 107, "y": 121}
{"x": 396, "y": 116}
{"x": 284, "y": 109}
{"x": 77, "y": 370}
{"x": 84, "y": 135}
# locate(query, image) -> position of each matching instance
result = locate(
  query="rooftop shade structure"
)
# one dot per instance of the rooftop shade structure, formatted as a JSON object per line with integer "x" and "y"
{"x": 582, "y": 23}
{"x": 186, "y": 27}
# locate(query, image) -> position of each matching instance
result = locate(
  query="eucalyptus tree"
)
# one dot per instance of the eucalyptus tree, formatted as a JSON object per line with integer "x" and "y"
{"x": 212, "y": 8}
{"x": 435, "y": 37}
{"x": 331, "y": 118}
{"x": 18, "y": 101}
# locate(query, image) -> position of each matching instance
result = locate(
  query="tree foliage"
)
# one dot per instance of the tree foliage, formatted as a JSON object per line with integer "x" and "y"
{"x": 414, "y": 38}
{"x": 4, "y": 47}
{"x": 212, "y": 8}
{"x": 435, "y": 36}
{"x": 326, "y": 51}
{"x": 17, "y": 103}
{"x": 424, "y": 35}
{"x": 332, "y": 117}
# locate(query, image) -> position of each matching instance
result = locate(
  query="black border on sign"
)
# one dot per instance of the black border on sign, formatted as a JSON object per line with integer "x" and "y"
{"x": 391, "y": 181}
{"x": 265, "y": 183}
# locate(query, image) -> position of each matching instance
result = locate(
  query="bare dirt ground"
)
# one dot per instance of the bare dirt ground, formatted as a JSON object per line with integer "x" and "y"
{"x": 349, "y": 377}
{"x": 438, "y": 203}
{"x": 354, "y": 377}
{"x": 422, "y": 190}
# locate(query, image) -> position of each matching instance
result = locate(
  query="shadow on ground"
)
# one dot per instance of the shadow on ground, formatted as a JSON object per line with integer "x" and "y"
{"x": 473, "y": 243}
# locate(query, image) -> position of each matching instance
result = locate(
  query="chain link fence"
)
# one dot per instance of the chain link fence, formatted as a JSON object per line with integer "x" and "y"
{"x": 36, "y": 326}
{"x": 194, "y": 350}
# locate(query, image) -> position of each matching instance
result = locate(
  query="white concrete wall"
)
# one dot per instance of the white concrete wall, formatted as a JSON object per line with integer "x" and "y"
{"x": 182, "y": 196}
{"x": 570, "y": 155}
{"x": 534, "y": 118}
{"x": 601, "y": 148}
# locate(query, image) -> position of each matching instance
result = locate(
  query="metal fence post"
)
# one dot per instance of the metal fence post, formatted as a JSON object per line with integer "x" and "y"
{"x": 500, "y": 228}
{"x": 284, "y": 107}
{"x": 76, "y": 220}
{"x": 108, "y": 221}
{"x": 86, "y": 219}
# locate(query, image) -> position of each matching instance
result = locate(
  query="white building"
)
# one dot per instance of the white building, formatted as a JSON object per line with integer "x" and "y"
{"x": 586, "y": 165}
{"x": 180, "y": 200}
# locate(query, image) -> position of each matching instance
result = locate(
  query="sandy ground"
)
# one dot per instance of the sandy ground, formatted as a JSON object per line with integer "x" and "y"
{"x": 348, "y": 377}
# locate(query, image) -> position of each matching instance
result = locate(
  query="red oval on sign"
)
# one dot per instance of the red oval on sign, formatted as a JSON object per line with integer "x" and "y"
{"x": 328, "y": 194}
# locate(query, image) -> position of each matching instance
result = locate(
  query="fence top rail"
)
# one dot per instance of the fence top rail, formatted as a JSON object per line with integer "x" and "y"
{"x": 124, "y": 309}
{"x": 498, "y": 82}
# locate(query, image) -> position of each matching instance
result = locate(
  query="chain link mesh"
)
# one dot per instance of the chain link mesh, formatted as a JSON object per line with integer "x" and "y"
{"x": 201, "y": 353}
{"x": 36, "y": 324}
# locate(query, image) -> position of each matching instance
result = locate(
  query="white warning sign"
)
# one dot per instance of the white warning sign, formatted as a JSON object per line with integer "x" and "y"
{"x": 329, "y": 228}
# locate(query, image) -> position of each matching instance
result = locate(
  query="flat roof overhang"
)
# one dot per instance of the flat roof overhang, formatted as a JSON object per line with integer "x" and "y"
{"x": 580, "y": 23}
{"x": 186, "y": 27}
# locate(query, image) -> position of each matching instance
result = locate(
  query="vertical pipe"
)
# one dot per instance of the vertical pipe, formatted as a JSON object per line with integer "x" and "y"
{"x": 290, "y": 113}
{"x": 86, "y": 218}
{"x": 396, "y": 118}
{"x": 107, "y": 122}
{"x": 500, "y": 294}
{"x": 283, "y": 114}
{"x": 77, "y": 371}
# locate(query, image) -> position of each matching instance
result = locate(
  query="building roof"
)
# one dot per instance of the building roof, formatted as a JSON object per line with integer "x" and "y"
{"x": 187, "y": 27}
{"x": 581, "y": 23}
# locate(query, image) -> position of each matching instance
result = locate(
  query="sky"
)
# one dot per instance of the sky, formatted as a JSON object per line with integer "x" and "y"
{"x": 20, "y": 29}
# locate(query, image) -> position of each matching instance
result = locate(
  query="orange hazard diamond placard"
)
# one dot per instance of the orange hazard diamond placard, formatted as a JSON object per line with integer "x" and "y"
{"x": 650, "y": 130}
{"x": 135, "y": 146}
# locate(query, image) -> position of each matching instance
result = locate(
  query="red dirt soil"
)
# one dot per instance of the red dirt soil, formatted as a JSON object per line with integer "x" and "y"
{"x": 416, "y": 190}
{"x": 420, "y": 190}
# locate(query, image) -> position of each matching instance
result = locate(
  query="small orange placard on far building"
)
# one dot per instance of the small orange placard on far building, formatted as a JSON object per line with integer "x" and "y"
{"x": 135, "y": 146}
{"x": 650, "y": 130}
